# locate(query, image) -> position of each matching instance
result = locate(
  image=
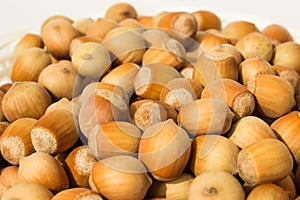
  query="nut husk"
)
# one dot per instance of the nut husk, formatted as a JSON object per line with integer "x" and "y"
{"x": 154, "y": 37}
{"x": 132, "y": 23}
{"x": 231, "y": 49}
{"x": 3, "y": 126}
{"x": 146, "y": 21}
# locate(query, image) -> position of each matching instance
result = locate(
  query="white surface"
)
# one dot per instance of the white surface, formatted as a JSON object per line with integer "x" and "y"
{"x": 18, "y": 17}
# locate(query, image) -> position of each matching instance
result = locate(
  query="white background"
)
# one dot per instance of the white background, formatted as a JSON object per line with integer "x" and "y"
{"x": 26, "y": 15}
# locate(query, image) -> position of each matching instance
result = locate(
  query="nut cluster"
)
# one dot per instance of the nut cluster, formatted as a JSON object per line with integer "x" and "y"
{"x": 170, "y": 106}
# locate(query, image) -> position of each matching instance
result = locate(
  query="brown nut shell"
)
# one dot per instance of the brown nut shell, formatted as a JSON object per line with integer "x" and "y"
{"x": 29, "y": 40}
{"x": 179, "y": 24}
{"x": 8, "y": 178}
{"x": 249, "y": 130}
{"x": 250, "y": 67}
{"x": 25, "y": 99}
{"x": 278, "y": 33}
{"x": 165, "y": 149}
{"x": 102, "y": 102}
{"x": 237, "y": 29}
{"x": 213, "y": 152}
{"x": 216, "y": 185}
{"x": 180, "y": 91}
{"x": 121, "y": 11}
{"x": 113, "y": 139}
{"x": 287, "y": 55}
{"x": 47, "y": 171}
{"x": 101, "y": 27}
{"x": 16, "y": 140}
{"x": 55, "y": 132}
{"x": 205, "y": 116}
{"x": 215, "y": 65}
{"x": 287, "y": 127}
{"x": 134, "y": 49}
{"x": 207, "y": 20}
{"x": 29, "y": 65}
{"x": 77, "y": 193}
{"x": 126, "y": 173}
{"x": 274, "y": 95}
{"x": 78, "y": 165}
{"x": 57, "y": 35}
{"x": 237, "y": 96}
{"x": 256, "y": 45}
{"x": 123, "y": 76}
{"x": 265, "y": 161}
{"x": 268, "y": 189}
{"x": 151, "y": 78}
{"x": 59, "y": 79}
{"x": 147, "y": 112}
{"x": 31, "y": 191}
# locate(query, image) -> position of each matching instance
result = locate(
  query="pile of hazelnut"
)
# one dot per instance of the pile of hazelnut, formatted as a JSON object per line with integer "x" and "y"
{"x": 176, "y": 105}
